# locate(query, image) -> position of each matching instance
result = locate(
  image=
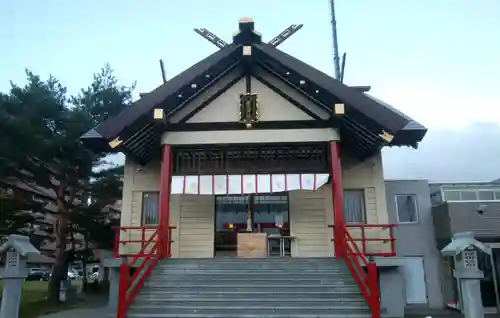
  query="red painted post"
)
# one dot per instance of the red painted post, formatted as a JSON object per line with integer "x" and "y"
{"x": 393, "y": 243}
{"x": 374, "y": 289}
{"x": 123, "y": 286}
{"x": 338, "y": 200}
{"x": 363, "y": 240}
{"x": 167, "y": 242}
{"x": 165, "y": 177}
{"x": 116, "y": 244}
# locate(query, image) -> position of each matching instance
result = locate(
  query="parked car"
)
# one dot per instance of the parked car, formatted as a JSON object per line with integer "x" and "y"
{"x": 72, "y": 275}
{"x": 37, "y": 274}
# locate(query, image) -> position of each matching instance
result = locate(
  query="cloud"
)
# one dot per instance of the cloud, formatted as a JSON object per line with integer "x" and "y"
{"x": 441, "y": 106}
{"x": 470, "y": 154}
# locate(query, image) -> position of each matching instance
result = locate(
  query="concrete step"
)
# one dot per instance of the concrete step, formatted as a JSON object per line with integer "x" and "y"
{"x": 239, "y": 260}
{"x": 234, "y": 295}
{"x": 249, "y": 288}
{"x": 257, "y": 271}
{"x": 253, "y": 261}
{"x": 256, "y": 263}
{"x": 255, "y": 302}
{"x": 267, "y": 266}
{"x": 251, "y": 276}
{"x": 237, "y": 311}
{"x": 246, "y": 315}
{"x": 163, "y": 281}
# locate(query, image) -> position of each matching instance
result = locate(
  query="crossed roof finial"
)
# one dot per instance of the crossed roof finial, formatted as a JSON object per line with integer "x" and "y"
{"x": 247, "y": 25}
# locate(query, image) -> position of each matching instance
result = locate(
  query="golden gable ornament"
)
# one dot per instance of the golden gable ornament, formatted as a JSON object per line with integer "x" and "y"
{"x": 249, "y": 109}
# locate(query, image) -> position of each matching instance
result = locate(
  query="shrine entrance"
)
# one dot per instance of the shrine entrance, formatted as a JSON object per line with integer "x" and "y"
{"x": 255, "y": 213}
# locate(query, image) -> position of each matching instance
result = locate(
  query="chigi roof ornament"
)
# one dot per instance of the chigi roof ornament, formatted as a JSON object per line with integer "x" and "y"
{"x": 248, "y": 35}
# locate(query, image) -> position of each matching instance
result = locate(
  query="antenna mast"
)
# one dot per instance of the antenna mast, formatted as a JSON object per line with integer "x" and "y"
{"x": 339, "y": 70}
{"x": 162, "y": 69}
{"x": 336, "y": 58}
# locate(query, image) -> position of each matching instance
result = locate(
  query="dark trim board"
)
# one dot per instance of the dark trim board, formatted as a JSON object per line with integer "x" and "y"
{"x": 209, "y": 100}
{"x": 198, "y": 91}
{"x": 295, "y": 124}
{"x": 320, "y": 144}
{"x": 248, "y": 82}
{"x": 286, "y": 97}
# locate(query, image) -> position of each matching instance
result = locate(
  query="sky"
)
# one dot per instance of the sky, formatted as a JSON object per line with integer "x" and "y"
{"x": 437, "y": 61}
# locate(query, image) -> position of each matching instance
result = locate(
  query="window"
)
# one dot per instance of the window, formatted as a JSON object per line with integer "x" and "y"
{"x": 468, "y": 195}
{"x": 436, "y": 198}
{"x": 482, "y": 194}
{"x": 354, "y": 206}
{"x": 486, "y": 195}
{"x": 451, "y": 195}
{"x": 406, "y": 205}
{"x": 150, "y": 208}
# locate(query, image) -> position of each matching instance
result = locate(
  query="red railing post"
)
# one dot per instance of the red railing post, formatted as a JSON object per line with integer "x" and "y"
{"x": 143, "y": 261}
{"x": 116, "y": 244}
{"x": 168, "y": 242}
{"x": 165, "y": 177}
{"x": 338, "y": 201}
{"x": 143, "y": 237}
{"x": 393, "y": 243}
{"x": 123, "y": 286}
{"x": 374, "y": 289}
{"x": 363, "y": 239}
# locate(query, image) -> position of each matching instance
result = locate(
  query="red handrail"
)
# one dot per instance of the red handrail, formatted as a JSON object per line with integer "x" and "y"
{"x": 356, "y": 261}
{"x": 365, "y": 238}
{"x": 157, "y": 246}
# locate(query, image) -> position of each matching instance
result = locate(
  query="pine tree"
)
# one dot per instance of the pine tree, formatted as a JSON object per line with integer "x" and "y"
{"x": 40, "y": 126}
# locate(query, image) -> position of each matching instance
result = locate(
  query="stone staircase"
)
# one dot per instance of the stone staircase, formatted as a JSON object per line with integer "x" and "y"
{"x": 250, "y": 288}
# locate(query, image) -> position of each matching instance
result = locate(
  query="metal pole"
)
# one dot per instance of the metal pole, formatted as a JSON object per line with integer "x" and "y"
{"x": 162, "y": 68}
{"x": 336, "y": 58}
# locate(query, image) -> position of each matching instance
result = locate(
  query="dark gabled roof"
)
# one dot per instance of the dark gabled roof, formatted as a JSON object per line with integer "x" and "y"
{"x": 387, "y": 118}
{"x": 365, "y": 121}
{"x": 112, "y": 127}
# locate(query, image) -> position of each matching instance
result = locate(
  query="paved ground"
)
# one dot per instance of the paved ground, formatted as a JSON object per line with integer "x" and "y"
{"x": 80, "y": 313}
{"x": 90, "y": 306}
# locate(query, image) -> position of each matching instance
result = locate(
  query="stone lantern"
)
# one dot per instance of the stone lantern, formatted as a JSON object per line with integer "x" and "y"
{"x": 17, "y": 248}
{"x": 464, "y": 248}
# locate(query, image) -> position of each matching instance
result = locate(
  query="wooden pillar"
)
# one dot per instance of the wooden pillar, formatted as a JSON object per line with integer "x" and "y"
{"x": 164, "y": 207}
{"x": 337, "y": 198}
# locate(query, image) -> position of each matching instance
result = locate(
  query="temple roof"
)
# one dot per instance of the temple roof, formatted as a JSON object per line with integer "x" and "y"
{"x": 367, "y": 124}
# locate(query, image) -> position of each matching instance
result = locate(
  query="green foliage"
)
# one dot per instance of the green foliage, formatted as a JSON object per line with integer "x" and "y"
{"x": 96, "y": 217}
{"x": 40, "y": 127}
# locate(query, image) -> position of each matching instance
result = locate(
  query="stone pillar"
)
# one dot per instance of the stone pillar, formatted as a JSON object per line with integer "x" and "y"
{"x": 472, "y": 306}
{"x": 13, "y": 277}
{"x": 114, "y": 282}
{"x": 104, "y": 254}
